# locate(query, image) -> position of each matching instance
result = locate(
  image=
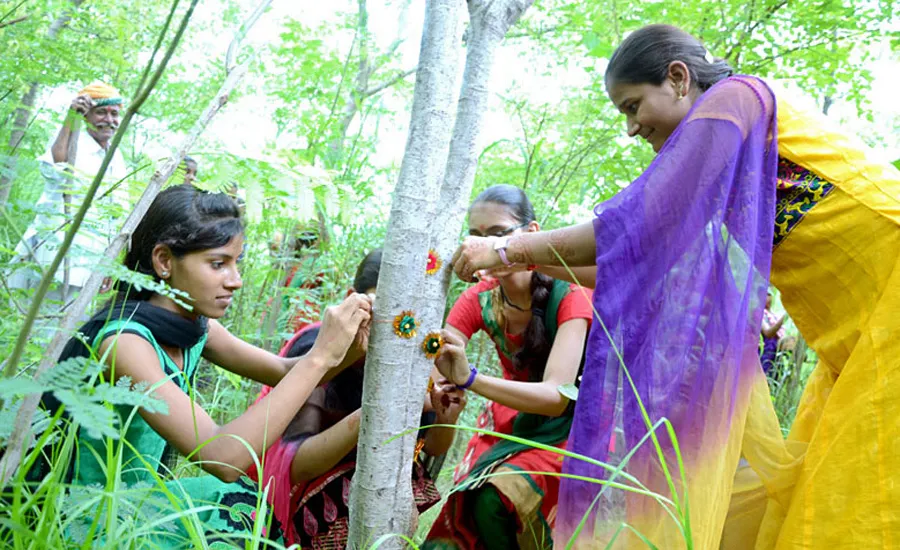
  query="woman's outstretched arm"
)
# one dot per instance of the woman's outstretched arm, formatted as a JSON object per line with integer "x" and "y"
{"x": 572, "y": 246}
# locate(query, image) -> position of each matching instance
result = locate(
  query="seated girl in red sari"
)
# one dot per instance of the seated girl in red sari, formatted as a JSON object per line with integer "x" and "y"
{"x": 539, "y": 327}
{"x": 311, "y": 466}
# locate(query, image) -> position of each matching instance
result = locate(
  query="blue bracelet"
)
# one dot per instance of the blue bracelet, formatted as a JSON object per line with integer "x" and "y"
{"x": 472, "y": 372}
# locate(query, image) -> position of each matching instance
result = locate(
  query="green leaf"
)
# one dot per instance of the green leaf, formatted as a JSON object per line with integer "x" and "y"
{"x": 16, "y": 387}
{"x": 123, "y": 393}
{"x": 569, "y": 391}
{"x": 98, "y": 419}
{"x": 8, "y": 418}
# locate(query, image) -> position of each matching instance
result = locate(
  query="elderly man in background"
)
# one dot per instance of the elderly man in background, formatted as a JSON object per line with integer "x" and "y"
{"x": 68, "y": 167}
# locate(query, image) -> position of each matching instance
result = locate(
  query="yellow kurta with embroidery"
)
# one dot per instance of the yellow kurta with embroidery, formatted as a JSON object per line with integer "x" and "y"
{"x": 835, "y": 483}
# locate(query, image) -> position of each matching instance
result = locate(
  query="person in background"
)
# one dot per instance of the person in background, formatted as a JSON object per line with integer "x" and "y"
{"x": 298, "y": 304}
{"x": 68, "y": 168}
{"x": 190, "y": 170}
{"x": 539, "y": 326}
{"x": 772, "y": 333}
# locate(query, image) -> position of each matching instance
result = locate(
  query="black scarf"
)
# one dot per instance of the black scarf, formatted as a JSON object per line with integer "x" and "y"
{"x": 169, "y": 328}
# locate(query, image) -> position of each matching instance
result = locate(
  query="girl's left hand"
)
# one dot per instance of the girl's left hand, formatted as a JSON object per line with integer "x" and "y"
{"x": 452, "y": 363}
{"x": 448, "y": 401}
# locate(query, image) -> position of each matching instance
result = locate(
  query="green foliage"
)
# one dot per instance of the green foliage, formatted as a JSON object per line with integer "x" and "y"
{"x": 39, "y": 422}
{"x": 141, "y": 281}
{"x": 88, "y": 405}
{"x": 787, "y": 378}
{"x": 324, "y": 169}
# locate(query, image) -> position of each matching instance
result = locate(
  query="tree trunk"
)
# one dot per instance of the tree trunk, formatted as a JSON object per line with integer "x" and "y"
{"x": 381, "y": 501}
{"x": 489, "y": 22}
{"x": 396, "y": 368}
{"x": 23, "y": 115}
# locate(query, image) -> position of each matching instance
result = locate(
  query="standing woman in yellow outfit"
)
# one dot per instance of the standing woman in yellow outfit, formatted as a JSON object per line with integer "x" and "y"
{"x": 744, "y": 188}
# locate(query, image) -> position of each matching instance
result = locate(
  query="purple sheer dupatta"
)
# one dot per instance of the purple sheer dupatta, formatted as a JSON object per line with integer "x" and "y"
{"x": 683, "y": 258}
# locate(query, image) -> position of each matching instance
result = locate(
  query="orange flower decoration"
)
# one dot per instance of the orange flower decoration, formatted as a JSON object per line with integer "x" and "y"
{"x": 420, "y": 444}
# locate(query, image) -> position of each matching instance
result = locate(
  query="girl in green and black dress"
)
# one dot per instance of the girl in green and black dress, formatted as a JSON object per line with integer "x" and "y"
{"x": 192, "y": 240}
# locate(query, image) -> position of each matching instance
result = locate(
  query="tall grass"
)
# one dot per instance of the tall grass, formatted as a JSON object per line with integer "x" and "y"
{"x": 50, "y": 513}
{"x": 787, "y": 378}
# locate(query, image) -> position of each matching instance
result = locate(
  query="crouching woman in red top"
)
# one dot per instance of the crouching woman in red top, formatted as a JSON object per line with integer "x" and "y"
{"x": 539, "y": 326}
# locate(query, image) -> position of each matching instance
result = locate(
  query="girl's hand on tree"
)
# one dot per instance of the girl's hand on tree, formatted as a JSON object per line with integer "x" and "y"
{"x": 361, "y": 342}
{"x": 448, "y": 401}
{"x": 475, "y": 253}
{"x": 341, "y": 327}
{"x": 452, "y": 363}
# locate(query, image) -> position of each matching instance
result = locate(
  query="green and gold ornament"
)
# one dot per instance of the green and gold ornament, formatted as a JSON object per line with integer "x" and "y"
{"x": 405, "y": 324}
{"x": 432, "y": 344}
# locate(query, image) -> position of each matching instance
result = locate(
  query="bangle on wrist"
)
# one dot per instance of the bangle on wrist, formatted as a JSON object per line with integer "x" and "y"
{"x": 500, "y": 248}
{"x": 472, "y": 373}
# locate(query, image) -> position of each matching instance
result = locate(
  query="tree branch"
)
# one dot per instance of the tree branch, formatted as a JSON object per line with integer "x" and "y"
{"x": 12, "y": 11}
{"x": 769, "y": 13}
{"x": 13, "y": 21}
{"x": 532, "y": 33}
{"x": 387, "y": 84}
{"x": 158, "y": 45}
{"x": 235, "y": 44}
{"x": 786, "y": 52}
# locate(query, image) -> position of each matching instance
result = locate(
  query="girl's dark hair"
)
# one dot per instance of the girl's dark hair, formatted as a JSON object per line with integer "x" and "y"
{"x": 367, "y": 271}
{"x": 533, "y": 355}
{"x": 644, "y": 58}
{"x": 186, "y": 220}
{"x": 343, "y": 394}
{"x": 509, "y": 196}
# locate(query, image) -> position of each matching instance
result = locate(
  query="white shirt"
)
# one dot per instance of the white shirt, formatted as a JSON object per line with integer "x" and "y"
{"x": 101, "y": 223}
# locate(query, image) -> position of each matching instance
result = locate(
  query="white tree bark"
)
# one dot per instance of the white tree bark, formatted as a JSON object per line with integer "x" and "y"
{"x": 489, "y": 22}
{"x": 396, "y": 368}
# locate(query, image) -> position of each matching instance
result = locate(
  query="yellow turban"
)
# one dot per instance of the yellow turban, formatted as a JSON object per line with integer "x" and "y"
{"x": 102, "y": 94}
